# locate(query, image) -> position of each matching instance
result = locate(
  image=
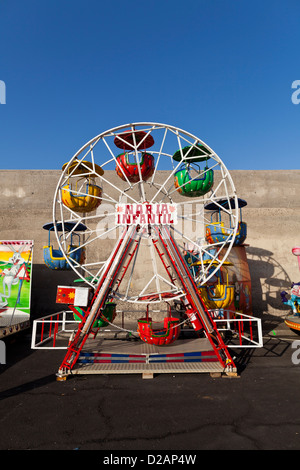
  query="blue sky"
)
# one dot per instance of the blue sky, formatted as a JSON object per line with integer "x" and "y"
{"x": 222, "y": 70}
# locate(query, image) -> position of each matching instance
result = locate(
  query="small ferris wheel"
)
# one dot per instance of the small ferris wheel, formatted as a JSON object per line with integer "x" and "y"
{"x": 144, "y": 175}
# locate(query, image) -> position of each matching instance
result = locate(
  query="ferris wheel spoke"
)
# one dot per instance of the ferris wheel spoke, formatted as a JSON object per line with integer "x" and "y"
{"x": 170, "y": 175}
{"x": 117, "y": 163}
{"x": 154, "y": 266}
{"x": 159, "y": 155}
{"x": 221, "y": 184}
{"x": 107, "y": 198}
{"x": 142, "y": 292}
{"x": 200, "y": 249}
{"x": 133, "y": 265}
{"x": 97, "y": 237}
{"x": 119, "y": 190}
{"x": 164, "y": 184}
{"x": 140, "y": 182}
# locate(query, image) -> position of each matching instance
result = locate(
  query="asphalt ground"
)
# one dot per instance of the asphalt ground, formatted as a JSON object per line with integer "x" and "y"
{"x": 182, "y": 413}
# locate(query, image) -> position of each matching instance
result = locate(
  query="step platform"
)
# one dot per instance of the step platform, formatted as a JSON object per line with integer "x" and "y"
{"x": 106, "y": 356}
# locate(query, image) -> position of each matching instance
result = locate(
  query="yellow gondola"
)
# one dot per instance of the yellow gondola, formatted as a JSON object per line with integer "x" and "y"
{"x": 87, "y": 195}
{"x": 219, "y": 295}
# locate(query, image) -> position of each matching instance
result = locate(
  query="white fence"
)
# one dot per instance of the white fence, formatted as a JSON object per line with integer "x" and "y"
{"x": 239, "y": 330}
{"x": 244, "y": 331}
{"x": 53, "y": 331}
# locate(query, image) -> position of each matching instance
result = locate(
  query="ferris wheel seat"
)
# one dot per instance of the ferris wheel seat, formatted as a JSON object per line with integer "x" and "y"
{"x": 192, "y": 153}
{"x": 160, "y": 336}
{"x": 193, "y": 187}
{"x": 107, "y": 316}
{"x": 126, "y": 169}
{"x": 87, "y": 202}
{"x": 83, "y": 167}
{"x": 216, "y": 232}
{"x": 129, "y": 139}
{"x": 55, "y": 259}
{"x": 219, "y": 296}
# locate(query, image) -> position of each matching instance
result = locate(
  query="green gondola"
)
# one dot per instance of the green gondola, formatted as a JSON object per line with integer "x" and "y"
{"x": 193, "y": 186}
{"x": 190, "y": 180}
{"x": 197, "y": 153}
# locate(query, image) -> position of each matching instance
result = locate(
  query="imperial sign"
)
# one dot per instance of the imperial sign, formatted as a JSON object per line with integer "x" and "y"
{"x": 141, "y": 214}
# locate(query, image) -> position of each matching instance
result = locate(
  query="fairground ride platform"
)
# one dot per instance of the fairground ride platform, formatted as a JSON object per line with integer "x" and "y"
{"x": 106, "y": 356}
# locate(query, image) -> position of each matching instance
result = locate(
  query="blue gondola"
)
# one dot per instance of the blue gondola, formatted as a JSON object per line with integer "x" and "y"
{"x": 54, "y": 258}
{"x": 216, "y": 231}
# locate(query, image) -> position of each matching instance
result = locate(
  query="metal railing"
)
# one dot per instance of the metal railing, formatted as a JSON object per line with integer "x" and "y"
{"x": 53, "y": 331}
{"x": 244, "y": 331}
{"x": 240, "y": 330}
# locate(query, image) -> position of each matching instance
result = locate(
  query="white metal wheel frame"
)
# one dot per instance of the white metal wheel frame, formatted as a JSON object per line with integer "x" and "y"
{"x": 159, "y": 188}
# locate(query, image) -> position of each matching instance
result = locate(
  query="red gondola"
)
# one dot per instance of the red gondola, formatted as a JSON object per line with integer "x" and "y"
{"x": 160, "y": 336}
{"x": 130, "y": 139}
{"x": 128, "y": 168}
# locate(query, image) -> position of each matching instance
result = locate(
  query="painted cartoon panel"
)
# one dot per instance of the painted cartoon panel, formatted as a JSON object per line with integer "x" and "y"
{"x": 15, "y": 281}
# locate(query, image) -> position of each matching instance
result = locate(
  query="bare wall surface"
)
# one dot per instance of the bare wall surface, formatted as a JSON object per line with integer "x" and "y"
{"x": 272, "y": 216}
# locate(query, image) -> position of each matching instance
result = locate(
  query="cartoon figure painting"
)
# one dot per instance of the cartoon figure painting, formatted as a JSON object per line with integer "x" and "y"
{"x": 15, "y": 277}
{"x": 294, "y": 300}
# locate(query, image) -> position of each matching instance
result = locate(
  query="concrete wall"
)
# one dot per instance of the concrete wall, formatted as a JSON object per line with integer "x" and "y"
{"x": 273, "y": 219}
{"x": 272, "y": 216}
